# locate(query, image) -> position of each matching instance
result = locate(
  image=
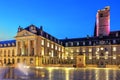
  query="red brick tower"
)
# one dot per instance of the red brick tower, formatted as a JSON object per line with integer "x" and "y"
{"x": 102, "y": 27}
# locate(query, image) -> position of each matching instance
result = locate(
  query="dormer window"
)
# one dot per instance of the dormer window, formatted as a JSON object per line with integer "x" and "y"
{"x": 46, "y": 35}
{"x": 77, "y": 43}
{"x": 1, "y": 45}
{"x": 71, "y": 43}
{"x": 83, "y": 43}
{"x": 117, "y": 34}
{"x": 89, "y": 42}
{"x": 66, "y": 44}
{"x": 33, "y": 29}
{"x": 13, "y": 44}
{"x": 8, "y": 44}
{"x": 5, "y": 45}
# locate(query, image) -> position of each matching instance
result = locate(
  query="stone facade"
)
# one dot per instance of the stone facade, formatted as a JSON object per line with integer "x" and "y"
{"x": 35, "y": 47}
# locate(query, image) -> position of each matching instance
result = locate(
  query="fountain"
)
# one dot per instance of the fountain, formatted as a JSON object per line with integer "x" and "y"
{"x": 23, "y": 70}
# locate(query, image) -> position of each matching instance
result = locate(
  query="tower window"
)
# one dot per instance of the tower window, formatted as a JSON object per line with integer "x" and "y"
{"x": 101, "y": 15}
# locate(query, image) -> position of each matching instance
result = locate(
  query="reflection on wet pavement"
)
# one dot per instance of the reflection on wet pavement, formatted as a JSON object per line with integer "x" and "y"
{"x": 61, "y": 74}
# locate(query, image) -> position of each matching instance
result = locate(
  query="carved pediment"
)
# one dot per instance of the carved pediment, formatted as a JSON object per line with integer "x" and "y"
{"x": 24, "y": 33}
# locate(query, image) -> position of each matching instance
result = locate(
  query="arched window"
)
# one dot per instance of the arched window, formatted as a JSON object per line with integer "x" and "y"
{"x": 4, "y": 61}
{"x": 13, "y": 61}
{"x": 18, "y": 60}
{"x": 31, "y": 60}
{"x": 4, "y": 53}
{"x": 12, "y": 52}
{"x": 24, "y": 61}
{"x": 8, "y": 53}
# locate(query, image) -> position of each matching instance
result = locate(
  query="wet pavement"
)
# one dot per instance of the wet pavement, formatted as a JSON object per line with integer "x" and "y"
{"x": 56, "y": 73}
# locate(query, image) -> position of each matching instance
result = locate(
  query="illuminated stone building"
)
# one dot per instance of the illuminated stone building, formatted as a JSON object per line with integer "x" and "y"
{"x": 35, "y": 47}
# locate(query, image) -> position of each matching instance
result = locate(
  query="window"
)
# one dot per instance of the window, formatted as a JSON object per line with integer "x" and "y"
{"x": 18, "y": 60}
{"x": 48, "y": 44}
{"x": 114, "y": 41}
{"x": 55, "y": 47}
{"x": 101, "y": 15}
{"x": 97, "y": 49}
{"x": 71, "y": 50}
{"x": 12, "y": 52}
{"x": 97, "y": 57}
{"x": 114, "y": 57}
{"x": 59, "y": 48}
{"x": 42, "y": 42}
{"x": 77, "y": 43}
{"x": 89, "y": 42}
{"x": 77, "y": 50}
{"x": 4, "y": 53}
{"x": 31, "y": 60}
{"x": 66, "y": 44}
{"x": 83, "y": 43}
{"x": 90, "y": 50}
{"x": 114, "y": 48}
{"x": 106, "y": 56}
{"x": 51, "y": 45}
{"x": 101, "y": 48}
{"x": 83, "y": 50}
{"x": 71, "y": 43}
{"x": 52, "y": 53}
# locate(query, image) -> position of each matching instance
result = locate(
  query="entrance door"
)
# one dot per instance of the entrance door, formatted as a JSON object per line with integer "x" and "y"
{"x": 101, "y": 64}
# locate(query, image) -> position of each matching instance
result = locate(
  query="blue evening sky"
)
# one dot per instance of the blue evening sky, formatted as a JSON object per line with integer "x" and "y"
{"x": 60, "y": 18}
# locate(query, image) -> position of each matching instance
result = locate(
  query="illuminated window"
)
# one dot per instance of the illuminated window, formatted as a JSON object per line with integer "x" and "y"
{"x": 101, "y": 48}
{"x": 77, "y": 50}
{"x": 66, "y": 53}
{"x": 114, "y": 48}
{"x": 97, "y": 49}
{"x": 42, "y": 42}
{"x": 42, "y": 52}
{"x": 97, "y": 56}
{"x": 59, "y": 48}
{"x": 71, "y": 50}
{"x": 96, "y": 52}
{"x": 55, "y": 47}
{"x": 106, "y": 52}
{"x": 52, "y": 53}
{"x": 106, "y": 57}
{"x": 90, "y": 50}
{"x": 62, "y": 49}
{"x": 51, "y": 45}
{"x": 114, "y": 57}
{"x": 83, "y": 50}
{"x": 90, "y": 56}
{"x": 48, "y": 44}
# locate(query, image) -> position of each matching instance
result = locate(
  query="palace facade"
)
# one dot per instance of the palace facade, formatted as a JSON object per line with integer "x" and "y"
{"x": 35, "y": 47}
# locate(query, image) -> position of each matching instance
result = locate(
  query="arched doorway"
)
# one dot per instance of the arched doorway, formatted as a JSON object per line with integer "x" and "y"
{"x": 1, "y": 64}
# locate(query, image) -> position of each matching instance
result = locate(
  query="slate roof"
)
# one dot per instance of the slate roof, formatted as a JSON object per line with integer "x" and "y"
{"x": 90, "y": 41}
{"x": 7, "y": 43}
{"x": 42, "y": 33}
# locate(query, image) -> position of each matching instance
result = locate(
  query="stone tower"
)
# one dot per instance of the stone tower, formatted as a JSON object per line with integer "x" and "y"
{"x": 102, "y": 25}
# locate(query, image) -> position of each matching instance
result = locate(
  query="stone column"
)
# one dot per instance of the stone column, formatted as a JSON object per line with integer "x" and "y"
{"x": 35, "y": 47}
{"x": 17, "y": 50}
{"x": 22, "y": 51}
{"x": 29, "y": 48}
